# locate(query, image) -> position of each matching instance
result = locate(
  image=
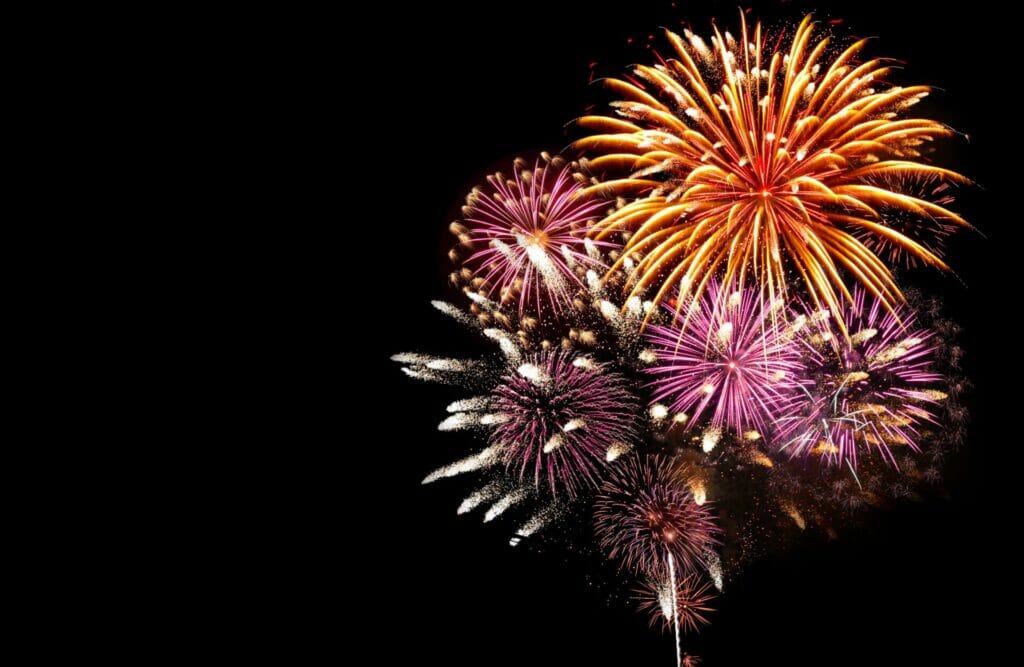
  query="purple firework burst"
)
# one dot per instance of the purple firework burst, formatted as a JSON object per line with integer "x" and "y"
{"x": 558, "y": 415}
{"x": 873, "y": 390}
{"x": 526, "y": 235}
{"x": 645, "y": 513}
{"x": 732, "y": 357}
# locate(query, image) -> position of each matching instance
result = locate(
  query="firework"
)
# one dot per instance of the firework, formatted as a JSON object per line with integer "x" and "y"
{"x": 875, "y": 389}
{"x": 523, "y": 238}
{"x": 645, "y": 513}
{"x": 794, "y": 163}
{"x": 560, "y": 415}
{"x": 736, "y": 361}
{"x": 696, "y": 324}
{"x": 654, "y": 596}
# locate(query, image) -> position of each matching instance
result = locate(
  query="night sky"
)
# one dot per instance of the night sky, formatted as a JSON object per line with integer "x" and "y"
{"x": 902, "y": 588}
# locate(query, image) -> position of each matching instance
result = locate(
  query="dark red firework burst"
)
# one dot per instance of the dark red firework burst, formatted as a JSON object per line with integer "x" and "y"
{"x": 645, "y": 513}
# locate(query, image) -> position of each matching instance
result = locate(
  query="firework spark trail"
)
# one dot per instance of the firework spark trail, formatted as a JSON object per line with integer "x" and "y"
{"x": 487, "y": 493}
{"x": 617, "y": 449}
{"x": 454, "y": 313}
{"x": 474, "y": 404}
{"x": 508, "y": 346}
{"x": 500, "y": 507}
{"x": 426, "y": 376}
{"x": 458, "y": 421}
{"x": 483, "y": 459}
{"x": 412, "y": 358}
{"x": 675, "y": 610}
{"x": 715, "y": 569}
{"x": 794, "y": 168}
{"x": 537, "y": 522}
{"x": 483, "y": 302}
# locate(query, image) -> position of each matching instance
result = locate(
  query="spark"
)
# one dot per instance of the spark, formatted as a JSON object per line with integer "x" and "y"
{"x": 479, "y": 496}
{"x": 458, "y": 421}
{"x": 534, "y": 374}
{"x": 617, "y": 449}
{"x": 574, "y": 424}
{"x": 500, "y": 507}
{"x": 469, "y": 404}
{"x": 453, "y": 312}
{"x": 484, "y": 459}
{"x": 710, "y": 438}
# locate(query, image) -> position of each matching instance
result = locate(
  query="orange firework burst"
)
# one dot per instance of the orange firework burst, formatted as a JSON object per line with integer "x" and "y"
{"x": 796, "y": 163}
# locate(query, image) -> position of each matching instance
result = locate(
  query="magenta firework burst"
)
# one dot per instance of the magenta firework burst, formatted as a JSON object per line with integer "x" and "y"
{"x": 646, "y": 513}
{"x": 692, "y": 599}
{"x": 729, "y": 356}
{"x": 874, "y": 390}
{"x": 558, "y": 416}
{"x": 523, "y": 238}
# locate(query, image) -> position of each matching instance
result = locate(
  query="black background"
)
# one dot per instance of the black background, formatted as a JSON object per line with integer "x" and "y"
{"x": 455, "y": 99}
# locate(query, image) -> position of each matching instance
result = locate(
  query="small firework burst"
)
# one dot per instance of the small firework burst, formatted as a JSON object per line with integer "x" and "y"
{"x": 759, "y": 161}
{"x": 735, "y": 358}
{"x": 523, "y": 238}
{"x": 645, "y": 512}
{"x": 558, "y": 416}
{"x": 874, "y": 390}
{"x": 692, "y": 598}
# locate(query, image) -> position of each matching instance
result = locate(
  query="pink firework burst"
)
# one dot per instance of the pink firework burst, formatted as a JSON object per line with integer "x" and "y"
{"x": 525, "y": 236}
{"x": 558, "y": 416}
{"x": 872, "y": 391}
{"x": 645, "y": 513}
{"x": 730, "y": 355}
{"x": 692, "y": 598}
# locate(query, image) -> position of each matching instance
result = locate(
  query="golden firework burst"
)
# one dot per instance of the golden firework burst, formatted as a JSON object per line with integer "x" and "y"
{"x": 796, "y": 165}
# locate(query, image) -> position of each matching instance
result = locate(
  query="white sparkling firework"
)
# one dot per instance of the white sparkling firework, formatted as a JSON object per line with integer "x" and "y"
{"x": 675, "y": 609}
{"x": 710, "y": 439}
{"x": 470, "y": 404}
{"x": 714, "y": 569}
{"x": 610, "y": 311}
{"x": 426, "y": 376}
{"x": 483, "y": 459}
{"x": 454, "y": 312}
{"x": 458, "y": 421}
{"x": 452, "y": 365}
{"x": 536, "y": 523}
{"x": 486, "y": 494}
{"x": 553, "y": 443}
{"x": 492, "y": 419}
{"x": 617, "y": 449}
{"x": 549, "y": 273}
{"x": 482, "y": 301}
{"x": 500, "y": 507}
{"x": 534, "y": 374}
{"x": 584, "y": 362}
{"x": 573, "y": 424}
{"x": 507, "y": 345}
